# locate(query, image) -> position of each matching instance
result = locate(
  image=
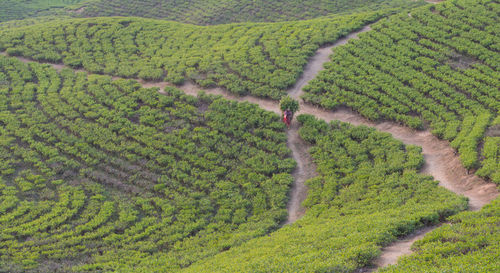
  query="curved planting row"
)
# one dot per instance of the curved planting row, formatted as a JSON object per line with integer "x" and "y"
{"x": 17, "y": 10}
{"x": 93, "y": 169}
{"x": 367, "y": 194}
{"x": 469, "y": 243}
{"x": 231, "y": 11}
{"x": 438, "y": 67}
{"x": 261, "y": 59}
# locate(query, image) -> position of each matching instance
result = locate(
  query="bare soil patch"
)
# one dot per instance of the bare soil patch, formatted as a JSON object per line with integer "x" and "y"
{"x": 493, "y": 131}
{"x": 391, "y": 253}
{"x": 459, "y": 61}
{"x": 78, "y": 11}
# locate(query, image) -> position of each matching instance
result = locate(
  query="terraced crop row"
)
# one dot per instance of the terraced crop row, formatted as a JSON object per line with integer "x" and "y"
{"x": 469, "y": 243}
{"x": 18, "y": 9}
{"x": 260, "y": 59}
{"x": 91, "y": 168}
{"x": 438, "y": 66}
{"x": 367, "y": 195}
{"x": 231, "y": 11}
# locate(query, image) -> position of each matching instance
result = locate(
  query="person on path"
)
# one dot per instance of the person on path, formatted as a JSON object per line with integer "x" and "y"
{"x": 287, "y": 117}
{"x": 289, "y": 106}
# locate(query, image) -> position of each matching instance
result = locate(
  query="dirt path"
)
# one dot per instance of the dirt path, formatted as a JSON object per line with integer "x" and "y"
{"x": 391, "y": 253}
{"x": 316, "y": 62}
{"x": 440, "y": 160}
{"x": 305, "y": 167}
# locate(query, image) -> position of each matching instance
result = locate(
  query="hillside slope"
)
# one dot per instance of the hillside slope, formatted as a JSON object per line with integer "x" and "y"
{"x": 91, "y": 167}
{"x": 210, "y": 12}
{"x": 20, "y": 9}
{"x": 366, "y": 195}
{"x": 262, "y": 59}
{"x": 468, "y": 244}
{"x": 437, "y": 67}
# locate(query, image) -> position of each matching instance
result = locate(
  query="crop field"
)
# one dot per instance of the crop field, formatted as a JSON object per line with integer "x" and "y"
{"x": 210, "y": 12}
{"x": 468, "y": 244}
{"x": 437, "y": 67}
{"x": 259, "y": 59}
{"x": 366, "y": 195}
{"x": 96, "y": 168}
{"x": 100, "y": 172}
{"x": 20, "y": 9}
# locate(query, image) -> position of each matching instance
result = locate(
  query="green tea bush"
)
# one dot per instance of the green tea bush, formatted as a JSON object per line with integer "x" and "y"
{"x": 101, "y": 174}
{"x": 288, "y": 103}
{"x": 258, "y": 59}
{"x": 19, "y": 9}
{"x": 366, "y": 196}
{"x": 437, "y": 68}
{"x": 469, "y": 243}
{"x": 210, "y": 12}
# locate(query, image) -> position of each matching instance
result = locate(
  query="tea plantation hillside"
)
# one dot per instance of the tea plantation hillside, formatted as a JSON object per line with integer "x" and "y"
{"x": 93, "y": 169}
{"x": 468, "y": 244}
{"x": 99, "y": 174}
{"x": 262, "y": 59}
{"x": 20, "y": 9}
{"x": 210, "y": 12}
{"x": 437, "y": 67}
{"x": 367, "y": 195}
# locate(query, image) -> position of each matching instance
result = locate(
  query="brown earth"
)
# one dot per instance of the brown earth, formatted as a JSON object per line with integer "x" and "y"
{"x": 391, "y": 253}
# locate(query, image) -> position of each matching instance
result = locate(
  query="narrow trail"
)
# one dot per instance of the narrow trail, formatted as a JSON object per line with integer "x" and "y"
{"x": 441, "y": 162}
{"x": 316, "y": 62}
{"x": 391, "y": 253}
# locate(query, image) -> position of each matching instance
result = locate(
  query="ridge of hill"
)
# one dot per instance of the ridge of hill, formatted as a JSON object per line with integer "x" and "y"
{"x": 211, "y": 12}
{"x": 198, "y": 12}
{"x": 262, "y": 59}
{"x": 21, "y": 9}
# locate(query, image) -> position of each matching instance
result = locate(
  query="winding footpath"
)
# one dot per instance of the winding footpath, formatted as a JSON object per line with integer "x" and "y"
{"x": 441, "y": 162}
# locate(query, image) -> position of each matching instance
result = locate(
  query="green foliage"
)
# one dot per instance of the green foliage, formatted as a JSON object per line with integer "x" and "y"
{"x": 468, "y": 244}
{"x": 20, "y": 9}
{"x": 210, "y": 12}
{"x": 367, "y": 195}
{"x": 97, "y": 174}
{"x": 260, "y": 59}
{"x": 288, "y": 103}
{"x": 438, "y": 66}
{"x": 491, "y": 162}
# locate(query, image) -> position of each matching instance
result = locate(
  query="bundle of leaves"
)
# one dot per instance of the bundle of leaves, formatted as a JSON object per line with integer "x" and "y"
{"x": 288, "y": 103}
